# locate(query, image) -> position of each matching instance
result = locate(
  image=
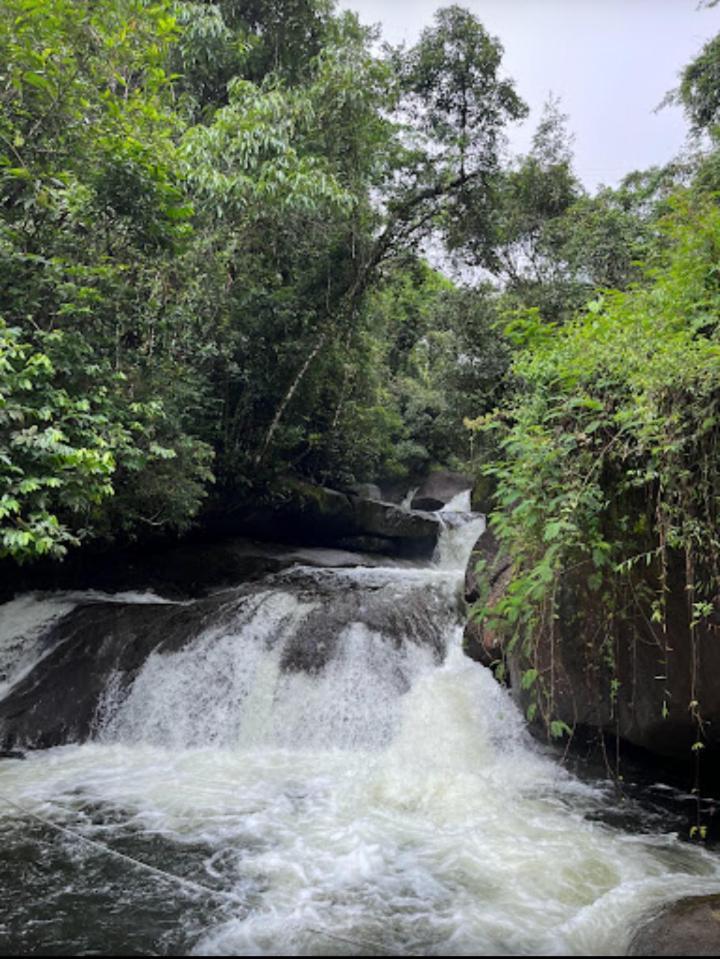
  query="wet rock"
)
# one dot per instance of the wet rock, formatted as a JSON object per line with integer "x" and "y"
{"x": 227, "y": 552}
{"x": 173, "y": 571}
{"x": 364, "y": 544}
{"x": 410, "y": 613}
{"x": 488, "y": 574}
{"x": 395, "y": 491}
{"x": 439, "y": 488}
{"x": 690, "y": 927}
{"x": 381, "y": 519}
{"x": 487, "y": 557}
{"x": 317, "y": 516}
{"x": 192, "y": 570}
{"x": 101, "y": 646}
{"x": 58, "y": 701}
{"x": 632, "y": 678}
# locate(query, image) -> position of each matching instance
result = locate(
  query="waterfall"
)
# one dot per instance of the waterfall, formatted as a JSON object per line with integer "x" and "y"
{"x": 324, "y": 753}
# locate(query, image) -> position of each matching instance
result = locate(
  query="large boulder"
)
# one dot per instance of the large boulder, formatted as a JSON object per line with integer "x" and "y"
{"x": 397, "y": 491}
{"x": 625, "y": 676}
{"x": 317, "y": 516}
{"x": 87, "y": 660}
{"x": 487, "y": 575}
{"x": 690, "y": 927}
{"x": 439, "y": 488}
{"x": 646, "y": 681}
{"x": 366, "y": 491}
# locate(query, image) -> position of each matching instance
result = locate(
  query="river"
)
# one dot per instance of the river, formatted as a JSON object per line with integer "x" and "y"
{"x": 320, "y": 772}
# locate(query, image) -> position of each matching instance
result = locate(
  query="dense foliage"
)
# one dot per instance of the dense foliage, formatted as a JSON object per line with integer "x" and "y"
{"x": 210, "y": 224}
{"x": 610, "y": 449}
{"x": 607, "y": 484}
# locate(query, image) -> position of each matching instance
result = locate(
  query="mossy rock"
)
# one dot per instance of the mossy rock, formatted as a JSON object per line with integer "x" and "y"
{"x": 482, "y": 496}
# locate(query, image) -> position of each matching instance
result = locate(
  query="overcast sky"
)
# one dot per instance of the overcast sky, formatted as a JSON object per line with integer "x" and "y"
{"x": 611, "y": 62}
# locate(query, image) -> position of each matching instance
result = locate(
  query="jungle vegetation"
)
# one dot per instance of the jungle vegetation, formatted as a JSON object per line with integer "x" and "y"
{"x": 225, "y": 229}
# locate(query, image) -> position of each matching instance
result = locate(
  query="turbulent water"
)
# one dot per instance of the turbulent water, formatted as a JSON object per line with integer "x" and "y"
{"x": 324, "y": 773}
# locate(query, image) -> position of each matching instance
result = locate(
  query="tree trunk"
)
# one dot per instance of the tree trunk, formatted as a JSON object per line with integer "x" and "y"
{"x": 288, "y": 396}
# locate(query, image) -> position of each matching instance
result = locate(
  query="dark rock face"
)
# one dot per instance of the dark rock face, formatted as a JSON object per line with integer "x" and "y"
{"x": 418, "y": 618}
{"x": 316, "y": 516}
{"x": 394, "y": 491}
{"x": 660, "y": 673}
{"x": 57, "y": 702}
{"x": 479, "y": 642}
{"x": 439, "y": 488}
{"x": 363, "y": 544}
{"x": 366, "y": 491}
{"x": 690, "y": 927}
{"x": 224, "y": 552}
{"x": 623, "y": 678}
{"x": 176, "y": 571}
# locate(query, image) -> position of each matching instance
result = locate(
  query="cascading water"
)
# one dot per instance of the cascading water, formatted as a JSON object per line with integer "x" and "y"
{"x": 326, "y": 759}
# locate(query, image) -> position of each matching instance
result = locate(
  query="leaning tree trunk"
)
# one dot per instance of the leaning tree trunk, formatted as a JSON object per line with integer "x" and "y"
{"x": 381, "y": 248}
{"x": 284, "y": 403}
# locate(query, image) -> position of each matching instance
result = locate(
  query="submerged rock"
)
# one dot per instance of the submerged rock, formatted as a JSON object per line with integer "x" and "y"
{"x": 690, "y": 927}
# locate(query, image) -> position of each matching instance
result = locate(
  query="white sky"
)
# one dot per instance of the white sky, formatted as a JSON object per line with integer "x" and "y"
{"x": 611, "y": 62}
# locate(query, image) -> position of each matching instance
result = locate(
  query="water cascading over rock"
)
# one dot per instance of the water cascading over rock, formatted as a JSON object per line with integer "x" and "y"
{"x": 315, "y": 753}
{"x": 193, "y": 669}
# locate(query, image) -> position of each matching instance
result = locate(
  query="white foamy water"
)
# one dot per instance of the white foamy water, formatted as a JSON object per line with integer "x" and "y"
{"x": 460, "y": 503}
{"x": 381, "y": 804}
{"x": 462, "y": 531}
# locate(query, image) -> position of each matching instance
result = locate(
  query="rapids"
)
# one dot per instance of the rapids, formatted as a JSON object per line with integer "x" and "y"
{"x": 341, "y": 779}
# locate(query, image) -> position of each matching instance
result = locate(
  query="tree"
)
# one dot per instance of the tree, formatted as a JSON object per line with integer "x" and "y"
{"x": 92, "y": 216}
{"x": 699, "y": 91}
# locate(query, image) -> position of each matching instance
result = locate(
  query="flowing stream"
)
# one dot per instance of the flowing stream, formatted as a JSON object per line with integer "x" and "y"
{"x": 329, "y": 775}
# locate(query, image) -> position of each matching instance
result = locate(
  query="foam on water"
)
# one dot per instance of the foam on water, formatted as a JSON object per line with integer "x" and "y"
{"x": 385, "y": 799}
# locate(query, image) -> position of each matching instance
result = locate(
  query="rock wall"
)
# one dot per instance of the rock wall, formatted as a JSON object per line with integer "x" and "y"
{"x": 627, "y": 677}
